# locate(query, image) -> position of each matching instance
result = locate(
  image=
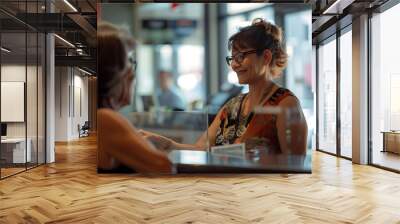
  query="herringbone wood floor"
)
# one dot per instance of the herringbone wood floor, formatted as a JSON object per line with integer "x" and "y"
{"x": 70, "y": 191}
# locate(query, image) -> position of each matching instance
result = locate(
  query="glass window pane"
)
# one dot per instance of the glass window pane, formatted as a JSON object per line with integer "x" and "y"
{"x": 144, "y": 52}
{"x": 386, "y": 89}
{"x": 166, "y": 55}
{"x": 190, "y": 78}
{"x": 346, "y": 94}
{"x": 298, "y": 74}
{"x": 15, "y": 150}
{"x": 327, "y": 97}
{"x": 23, "y": 88}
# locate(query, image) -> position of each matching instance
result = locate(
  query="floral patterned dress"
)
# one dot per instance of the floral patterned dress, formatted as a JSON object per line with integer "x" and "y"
{"x": 256, "y": 130}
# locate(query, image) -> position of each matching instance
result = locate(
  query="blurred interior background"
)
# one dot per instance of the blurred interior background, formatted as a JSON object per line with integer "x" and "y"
{"x": 182, "y": 47}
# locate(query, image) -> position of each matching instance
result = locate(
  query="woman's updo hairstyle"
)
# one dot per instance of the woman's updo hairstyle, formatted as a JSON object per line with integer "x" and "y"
{"x": 262, "y": 35}
{"x": 114, "y": 45}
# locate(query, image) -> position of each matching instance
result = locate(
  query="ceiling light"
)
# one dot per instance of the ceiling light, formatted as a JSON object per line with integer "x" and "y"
{"x": 65, "y": 41}
{"x": 5, "y": 50}
{"x": 79, "y": 51}
{"x": 71, "y": 6}
{"x": 86, "y": 72}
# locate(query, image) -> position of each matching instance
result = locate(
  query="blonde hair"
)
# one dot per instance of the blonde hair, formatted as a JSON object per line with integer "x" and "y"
{"x": 263, "y": 35}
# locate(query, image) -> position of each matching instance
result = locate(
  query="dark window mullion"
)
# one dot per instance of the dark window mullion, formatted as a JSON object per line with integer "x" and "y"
{"x": 338, "y": 98}
{"x": 26, "y": 87}
{"x": 369, "y": 78}
{"x": 44, "y": 71}
{"x": 317, "y": 97}
{"x": 37, "y": 90}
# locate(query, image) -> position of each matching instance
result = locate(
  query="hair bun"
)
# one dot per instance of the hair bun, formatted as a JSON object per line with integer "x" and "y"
{"x": 270, "y": 29}
{"x": 279, "y": 61}
{"x": 261, "y": 22}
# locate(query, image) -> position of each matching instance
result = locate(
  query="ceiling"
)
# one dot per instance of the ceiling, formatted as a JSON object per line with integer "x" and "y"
{"x": 79, "y": 27}
{"x": 327, "y": 14}
{"x": 76, "y": 25}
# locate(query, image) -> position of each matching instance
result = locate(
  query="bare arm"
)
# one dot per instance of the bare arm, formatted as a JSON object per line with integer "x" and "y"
{"x": 121, "y": 140}
{"x": 162, "y": 142}
{"x": 212, "y": 131}
{"x": 292, "y": 127}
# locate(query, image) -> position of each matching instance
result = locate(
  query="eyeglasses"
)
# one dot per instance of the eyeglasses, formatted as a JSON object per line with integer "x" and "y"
{"x": 131, "y": 58}
{"x": 132, "y": 67}
{"x": 133, "y": 63}
{"x": 239, "y": 57}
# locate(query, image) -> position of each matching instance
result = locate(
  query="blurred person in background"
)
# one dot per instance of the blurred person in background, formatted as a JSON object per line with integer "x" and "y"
{"x": 120, "y": 146}
{"x": 169, "y": 96}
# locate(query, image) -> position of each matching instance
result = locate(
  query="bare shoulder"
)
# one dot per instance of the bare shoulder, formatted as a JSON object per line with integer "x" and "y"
{"x": 109, "y": 114}
{"x": 110, "y": 118}
{"x": 105, "y": 112}
{"x": 291, "y": 107}
{"x": 290, "y": 102}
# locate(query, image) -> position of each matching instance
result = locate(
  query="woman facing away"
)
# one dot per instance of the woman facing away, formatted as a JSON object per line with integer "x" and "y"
{"x": 258, "y": 57}
{"x": 119, "y": 143}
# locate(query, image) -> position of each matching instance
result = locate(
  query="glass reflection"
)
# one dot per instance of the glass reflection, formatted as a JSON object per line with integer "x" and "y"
{"x": 15, "y": 149}
{"x": 255, "y": 154}
{"x": 346, "y": 94}
{"x": 327, "y": 98}
{"x": 181, "y": 127}
{"x": 385, "y": 88}
{"x": 22, "y": 88}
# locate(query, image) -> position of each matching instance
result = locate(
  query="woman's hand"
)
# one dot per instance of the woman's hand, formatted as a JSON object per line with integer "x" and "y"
{"x": 160, "y": 142}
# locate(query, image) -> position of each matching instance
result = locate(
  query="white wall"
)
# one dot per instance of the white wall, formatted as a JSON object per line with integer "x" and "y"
{"x": 16, "y": 73}
{"x": 71, "y": 94}
{"x": 61, "y": 103}
{"x": 81, "y": 94}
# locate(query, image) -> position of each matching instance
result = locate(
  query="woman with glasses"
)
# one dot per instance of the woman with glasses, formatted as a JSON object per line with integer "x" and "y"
{"x": 120, "y": 146}
{"x": 268, "y": 116}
